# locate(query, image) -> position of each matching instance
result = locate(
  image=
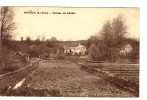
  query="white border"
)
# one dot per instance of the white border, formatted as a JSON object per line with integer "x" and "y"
{"x": 98, "y": 3}
{"x": 72, "y": 3}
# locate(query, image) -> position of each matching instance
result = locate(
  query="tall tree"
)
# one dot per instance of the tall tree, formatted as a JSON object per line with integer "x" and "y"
{"x": 106, "y": 34}
{"x": 6, "y": 27}
{"x": 110, "y": 39}
{"x": 114, "y": 33}
{"x": 119, "y": 30}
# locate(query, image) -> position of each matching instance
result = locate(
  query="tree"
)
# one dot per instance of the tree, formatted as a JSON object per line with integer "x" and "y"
{"x": 119, "y": 30}
{"x": 107, "y": 34}
{"x": 37, "y": 41}
{"x": 6, "y": 27}
{"x": 92, "y": 40}
{"x": 93, "y": 51}
{"x": 134, "y": 55}
{"x": 113, "y": 35}
{"x": 7, "y": 24}
{"x": 109, "y": 40}
{"x": 48, "y": 43}
{"x": 28, "y": 40}
{"x": 53, "y": 39}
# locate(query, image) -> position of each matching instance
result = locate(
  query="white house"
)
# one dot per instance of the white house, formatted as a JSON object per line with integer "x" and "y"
{"x": 80, "y": 49}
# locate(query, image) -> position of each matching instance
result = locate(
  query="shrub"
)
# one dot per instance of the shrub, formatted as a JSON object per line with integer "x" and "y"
{"x": 10, "y": 68}
{"x": 59, "y": 57}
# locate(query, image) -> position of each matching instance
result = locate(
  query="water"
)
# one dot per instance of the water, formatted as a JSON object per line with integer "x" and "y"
{"x": 19, "y": 84}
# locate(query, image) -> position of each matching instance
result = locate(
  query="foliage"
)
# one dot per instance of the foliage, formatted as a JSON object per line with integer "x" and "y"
{"x": 98, "y": 52}
{"x": 37, "y": 41}
{"x": 59, "y": 56}
{"x": 53, "y": 39}
{"x": 48, "y": 43}
{"x": 109, "y": 41}
{"x": 113, "y": 33}
{"x": 134, "y": 56}
{"x": 28, "y": 40}
{"x": 94, "y": 39}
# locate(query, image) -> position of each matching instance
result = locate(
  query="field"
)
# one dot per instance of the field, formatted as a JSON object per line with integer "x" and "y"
{"x": 128, "y": 72}
{"x": 123, "y": 76}
{"x": 68, "y": 79}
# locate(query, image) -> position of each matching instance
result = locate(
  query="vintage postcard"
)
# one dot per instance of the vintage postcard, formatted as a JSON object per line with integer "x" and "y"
{"x": 69, "y": 52}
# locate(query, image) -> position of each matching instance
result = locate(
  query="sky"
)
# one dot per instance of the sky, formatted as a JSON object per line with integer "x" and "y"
{"x": 83, "y": 23}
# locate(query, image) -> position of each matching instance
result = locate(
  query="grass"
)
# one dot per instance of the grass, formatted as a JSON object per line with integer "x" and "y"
{"x": 9, "y": 69}
{"x": 28, "y": 91}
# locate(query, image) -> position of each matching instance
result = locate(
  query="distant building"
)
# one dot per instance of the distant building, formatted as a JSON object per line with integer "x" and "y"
{"x": 126, "y": 49}
{"x": 20, "y": 57}
{"x": 80, "y": 49}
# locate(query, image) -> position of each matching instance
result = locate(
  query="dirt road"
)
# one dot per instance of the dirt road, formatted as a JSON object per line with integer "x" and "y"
{"x": 66, "y": 79}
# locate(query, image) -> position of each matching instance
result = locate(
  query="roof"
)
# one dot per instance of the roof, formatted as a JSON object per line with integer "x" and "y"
{"x": 20, "y": 53}
{"x": 71, "y": 47}
{"x": 126, "y": 46}
{"x": 69, "y": 44}
{"x": 80, "y": 46}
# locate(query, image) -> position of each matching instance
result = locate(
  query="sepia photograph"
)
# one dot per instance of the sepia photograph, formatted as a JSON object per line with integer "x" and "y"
{"x": 69, "y": 52}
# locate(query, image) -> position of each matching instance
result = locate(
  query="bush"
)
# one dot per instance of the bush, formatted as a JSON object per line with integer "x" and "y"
{"x": 8, "y": 68}
{"x": 59, "y": 57}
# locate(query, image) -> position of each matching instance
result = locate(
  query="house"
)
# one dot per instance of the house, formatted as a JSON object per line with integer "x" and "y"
{"x": 126, "y": 49}
{"x": 78, "y": 49}
{"x": 20, "y": 57}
